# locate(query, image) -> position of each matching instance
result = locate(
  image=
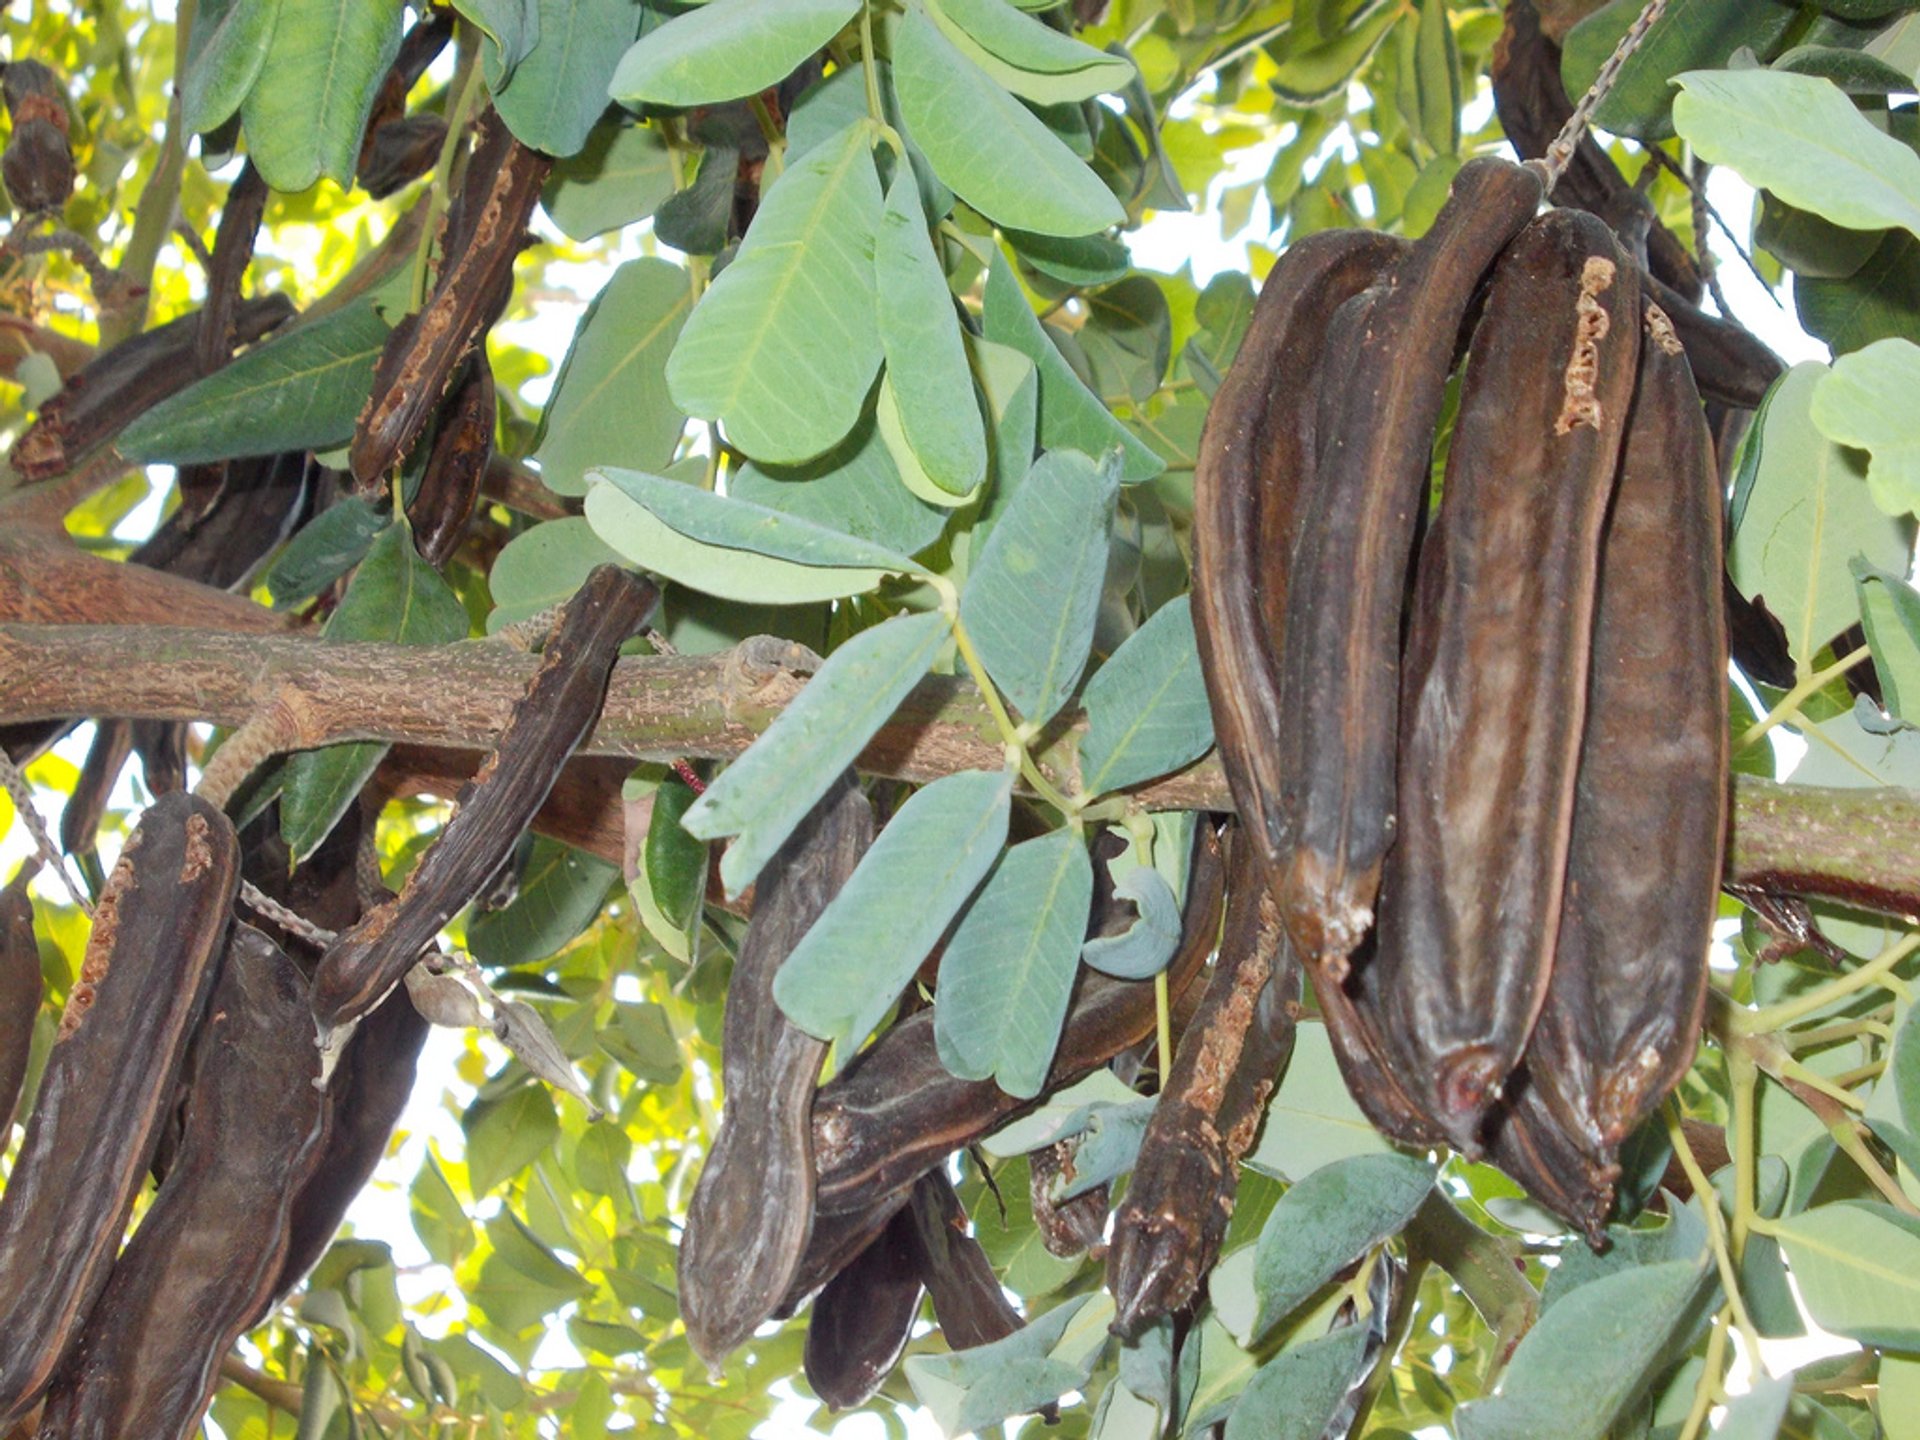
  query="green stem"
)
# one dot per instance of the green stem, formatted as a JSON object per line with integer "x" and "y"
{"x": 1709, "y": 1386}
{"x": 1716, "y": 1232}
{"x": 1791, "y": 702}
{"x": 1775, "y": 1017}
{"x": 124, "y": 312}
{"x": 1482, "y": 1269}
{"x": 1003, "y": 721}
{"x": 1745, "y": 1078}
{"x": 875, "y": 111}
{"x": 465, "y": 90}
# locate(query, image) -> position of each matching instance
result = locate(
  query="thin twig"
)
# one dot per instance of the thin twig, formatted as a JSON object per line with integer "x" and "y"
{"x": 1560, "y": 153}
{"x": 16, "y": 786}
{"x": 1703, "y": 257}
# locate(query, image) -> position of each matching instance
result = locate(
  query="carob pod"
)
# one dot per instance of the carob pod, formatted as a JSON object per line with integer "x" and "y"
{"x": 967, "y": 1299}
{"x": 450, "y": 485}
{"x": 1623, "y": 1010}
{"x": 752, "y": 1211}
{"x": 1168, "y": 1230}
{"x": 484, "y": 231}
{"x": 861, "y": 1321}
{"x": 1531, "y": 102}
{"x": 20, "y": 995}
{"x": 87, "y": 802}
{"x": 1496, "y": 666}
{"x": 561, "y": 704}
{"x": 396, "y": 148}
{"x": 1339, "y": 677}
{"x": 1526, "y": 1138}
{"x": 38, "y": 164}
{"x": 896, "y": 1112}
{"x": 1070, "y": 1227}
{"x": 232, "y": 252}
{"x": 1255, "y": 455}
{"x": 158, "y": 932}
{"x": 207, "y": 1252}
{"x": 97, "y": 402}
{"x": 1731, "y": 365}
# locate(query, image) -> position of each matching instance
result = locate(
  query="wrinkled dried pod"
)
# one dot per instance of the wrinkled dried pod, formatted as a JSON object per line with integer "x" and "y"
{"x": 1168, "y": 1230}
{"x": 561, "y": 704}
{"x": 206, "y": 1253}
{"x": 1623, "y": 1010}
{"x": 1255, "y": 455}
{"x": 751, "y": 1213}
{"x": 450, "y": 485}
{"x": 38, "y": 164}
{"x": 1393, "y": 347}
{"x": 860, "y": 1322}
{"x": 158, "y": 931}
{"x": 1496, "y": 665}
{"x": 233, "y": 244}
{"x": 20, "y": 993}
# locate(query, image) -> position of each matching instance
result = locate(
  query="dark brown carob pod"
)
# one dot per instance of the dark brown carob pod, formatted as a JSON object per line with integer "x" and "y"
{"x": 98, "y": 401}
{"x": 232, "y": 252}
{"x": 1623, "y": 1010}
{"x": 967, "y": 1299}
{"x": 484, "y": 230}
{"x": 1339, "y": 675}
{"x": 1496, "y": 666}
{"x": 20, "y": 994}
{"x": 38, "y": 164}
{"x": 1255, "y": 455}
{"x": 366, "y": 1094}
{"x": 896, "y": 1112}
{"x": 752, "y": 1211}
{"x": 561, "y": 704}
{"x": 861, "y": 1321}
{"x": 206, "y": 1254}
{"x": 1731, "y": 365}
{"x": 1526, "y": 1138}
{"x": 450, "y": 485}
{"x": 1167, "y": 1232}
{"x": 158, "y": 932}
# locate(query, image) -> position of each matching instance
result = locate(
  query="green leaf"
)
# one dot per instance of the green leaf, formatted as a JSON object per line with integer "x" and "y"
{"x": 610, "y": 404}
{"x": 226, "y": 49}
{"x": 1866, "y": 401}
{"x": 506, "y": 1135}
{"x": 1900, "y": 1396}
{"x": 1801, "y": 138}
{"x": 300, "y": 390}
{"x": 676, "y": 863}
{"x": 1071, "y": 416}
{"x": 438, "y": 1217}
{"x": 1030, "y": 602}
{"x": 1004, "y": 1225}
{"x": 557, "y": 92}
{"x": 543, "y": 567}
{"x": 1106, "y": 1150}
{"x": 1691, "y": 35}
{"x": 1312, "y": 1120}
{"x": 1854, "y": 71}
{"x": 766, "y": 792}
{"x": 560, "y": 895}
{"x": 1890, "y": 615}
{"x": 1147, "y": 711}
{"x": 1801, "y": 519}
{"x": 1437, "y": 71}
{"x": 1325, "y": 1221}
{"x": 395, "y": 597}
{"x": 522, "y": 1282}
{"x": 1296, "y": 1394}
{"x": 783, "y": 348}
{"x": 1757, "y": 1415}
{"x": 307, "y": 107}
{"x": 1143, "y": 949}
{"x": 323, "y": 550}
{"x": 727, "y": 49}
{"x": 1081, "y": 260}
{"x": 970, "y": 1389}
{"x": 732, "y": 548}
{"x": 699, "y": 219}
{"x": 1008, "y": 968}
{"x": 621, "y": 175}
{"x": 512, "y": 27}
{"x": 986, "y": 146}
{"x": 1857, "y": 1264}
{"x": 1027, "y": 57}
{"x": 845, "y": 974}
{"x": 854, "y": 488}
{"x": 641, "y": 1039}
{"x": 920, "y": 336}
{"x": 1878, "y": 300}
{"x": 1309, "y": 74}
{"x": 1590, "y": 1356}
{"x": 1128, "y": 338}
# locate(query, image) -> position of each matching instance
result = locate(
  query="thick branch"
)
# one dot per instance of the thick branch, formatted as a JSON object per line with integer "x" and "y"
{"x": 1839, "y": 844}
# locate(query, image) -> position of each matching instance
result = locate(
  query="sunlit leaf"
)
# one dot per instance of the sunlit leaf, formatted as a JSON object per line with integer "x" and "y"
{"x": 307, "y": 107}
{"x": 726, "y": 49}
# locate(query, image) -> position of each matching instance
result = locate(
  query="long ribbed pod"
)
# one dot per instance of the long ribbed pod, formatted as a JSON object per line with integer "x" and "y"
{"x": 1255, "y": 456}
{"x": 1340, "y": 671}
{"x": 1496, "y": 666}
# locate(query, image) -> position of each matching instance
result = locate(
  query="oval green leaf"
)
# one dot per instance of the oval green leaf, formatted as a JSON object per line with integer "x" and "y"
{"x": 727, "y": 49}
{"x": 1147, "y": 711}
{"x": 1866, "y": 401}
{"x": 542, "y": 567}
{"x": 553, "y": 97}
{"x": 1296, "y": 1394}
{"x": 225, "y": 49}
{"x": 844, "y": 976}
{"x": 560, "y": 894}
{"x": 1008, "y": 969}
{"x": 306, "y": 109}
{"x": 783, "y": 349}
{"x": 764, "y": 794}
{"x": 1857, "y": 1264}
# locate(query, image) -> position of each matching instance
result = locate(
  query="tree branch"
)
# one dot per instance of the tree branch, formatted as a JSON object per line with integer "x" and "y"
{"x": 1830, "y": 844}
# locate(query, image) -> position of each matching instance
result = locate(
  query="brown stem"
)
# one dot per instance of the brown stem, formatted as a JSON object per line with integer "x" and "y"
{"x": 1829, "y": 844}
